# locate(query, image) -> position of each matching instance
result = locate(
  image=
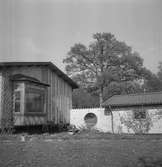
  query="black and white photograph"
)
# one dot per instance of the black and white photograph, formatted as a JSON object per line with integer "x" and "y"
{"x": 80, "y": 83}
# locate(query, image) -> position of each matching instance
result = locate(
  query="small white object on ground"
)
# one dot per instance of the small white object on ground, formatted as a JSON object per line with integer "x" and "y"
{"x": 22, "y": 138}
{"x": 70, "y": 133}
{"x": 48, "y": 140}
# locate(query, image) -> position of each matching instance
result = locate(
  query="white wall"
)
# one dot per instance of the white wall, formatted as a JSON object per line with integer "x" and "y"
{"x": 104, "y": 121}
{"x": 156, "y": 115}
{"x": 118, "y": 126}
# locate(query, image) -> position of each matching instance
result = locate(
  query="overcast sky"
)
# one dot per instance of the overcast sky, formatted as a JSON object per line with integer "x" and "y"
{"x": 44, "y": 30}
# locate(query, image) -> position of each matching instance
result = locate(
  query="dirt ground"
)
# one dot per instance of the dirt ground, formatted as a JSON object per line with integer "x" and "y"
{"x": 83, "y": 150}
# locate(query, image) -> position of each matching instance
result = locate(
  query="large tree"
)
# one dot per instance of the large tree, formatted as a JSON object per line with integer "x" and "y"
{"x": 106, "y": 61}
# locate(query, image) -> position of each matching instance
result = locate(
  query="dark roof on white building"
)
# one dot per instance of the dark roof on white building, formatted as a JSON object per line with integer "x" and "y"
{"x": 153, "y": 98}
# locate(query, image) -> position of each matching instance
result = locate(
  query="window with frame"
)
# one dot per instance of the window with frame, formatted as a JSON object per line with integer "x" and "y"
{"x": 35, "y": 101}
{"x": 17, "y": 101}
{"x": 140, "y": 113}
{"x": 17, "y": 97}
{"x": 107, "y": 111}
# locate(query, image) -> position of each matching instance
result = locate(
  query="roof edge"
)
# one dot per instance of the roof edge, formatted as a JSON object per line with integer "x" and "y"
{"x": 49, "y": 64}
{"x": 108, "y": 102}
{"x": 136, "y": 94}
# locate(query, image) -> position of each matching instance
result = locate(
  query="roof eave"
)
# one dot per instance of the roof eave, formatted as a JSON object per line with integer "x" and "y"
{"x": 132, "y": 105}
{"x": 49, "y": 64}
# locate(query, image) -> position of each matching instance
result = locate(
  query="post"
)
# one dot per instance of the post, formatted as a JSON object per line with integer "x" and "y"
{"x": 101, "y": 96}
{"x": 112, "y": 119}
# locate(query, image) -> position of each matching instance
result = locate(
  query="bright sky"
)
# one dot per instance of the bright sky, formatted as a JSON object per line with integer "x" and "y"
{"x": 44, "y": 30}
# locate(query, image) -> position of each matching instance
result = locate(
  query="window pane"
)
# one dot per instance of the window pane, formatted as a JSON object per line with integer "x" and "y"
{"x": 140, "y": 114}
{"x": 34, "y": 101}
{"x": 107, "y": 111}
{"x": 17, "y": 101}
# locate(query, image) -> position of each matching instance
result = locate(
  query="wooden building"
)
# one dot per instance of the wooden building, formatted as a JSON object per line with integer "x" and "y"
{"x": 32, "y": 93}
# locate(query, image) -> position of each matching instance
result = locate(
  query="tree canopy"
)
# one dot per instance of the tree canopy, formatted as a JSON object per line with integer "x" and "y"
{"x": 106, "y": 65}
{"x": 159, "y": 74}
{"x": 153, "y": 82}
{"x": 83, "y": 99}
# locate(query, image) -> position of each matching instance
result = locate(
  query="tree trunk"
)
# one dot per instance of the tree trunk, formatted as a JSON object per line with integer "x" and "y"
{"x": 112, "y": 120}
{"x": 101, "y": 96}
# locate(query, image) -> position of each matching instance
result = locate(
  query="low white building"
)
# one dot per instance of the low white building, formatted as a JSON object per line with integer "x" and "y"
{"x": 133, "y": 113}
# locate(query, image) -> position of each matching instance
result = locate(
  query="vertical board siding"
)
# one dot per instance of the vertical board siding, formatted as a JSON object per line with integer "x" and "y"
{"x": 0, "y": 97}
{"x": 49, "y": 96}
{"x": 44, "y": 76}
{"x": 54, "y": 97}
{"x": 51, "y": 92}
{"x": 7, "y": 105}
{"x": 59, "y": 95}
{"x": 62, "y": 99}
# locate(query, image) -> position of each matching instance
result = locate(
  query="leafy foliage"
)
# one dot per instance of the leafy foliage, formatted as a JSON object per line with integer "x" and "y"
{"x": 104, "y": 64}
{"x": 149, "y": 162}
{"x": 81, "y": 98}
{"x": 159, "y": 74}
{"x": 139, "y": 126}
{"x": 153, "y": 82}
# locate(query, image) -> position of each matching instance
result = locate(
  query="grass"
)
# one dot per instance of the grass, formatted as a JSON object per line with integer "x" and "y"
{"x": 90, "y": 149}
